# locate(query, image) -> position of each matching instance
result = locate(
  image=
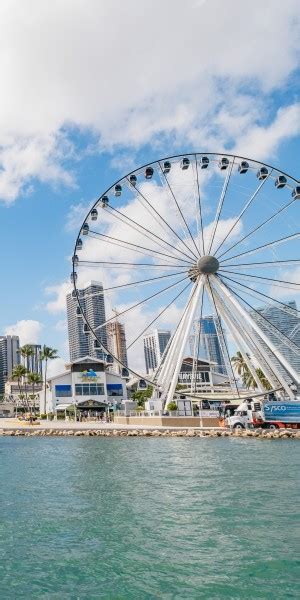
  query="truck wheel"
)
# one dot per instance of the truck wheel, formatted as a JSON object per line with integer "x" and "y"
{"x": 272, "y": 426}
{"x": 238, "y": 426}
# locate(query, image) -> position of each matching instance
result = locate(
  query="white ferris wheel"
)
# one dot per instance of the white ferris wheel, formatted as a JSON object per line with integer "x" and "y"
{"x": 193, "y": 235}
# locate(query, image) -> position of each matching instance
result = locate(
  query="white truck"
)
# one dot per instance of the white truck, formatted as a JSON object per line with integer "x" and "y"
{"x": 267, "y": 415}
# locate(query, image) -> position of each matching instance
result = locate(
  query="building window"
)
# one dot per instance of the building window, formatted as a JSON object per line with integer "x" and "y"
{"x": 63, "y": 391}
{"x": 114, "y": 389}
{"x": 89, "y": 389}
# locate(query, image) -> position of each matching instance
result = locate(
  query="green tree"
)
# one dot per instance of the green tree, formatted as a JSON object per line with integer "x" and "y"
{"x": 33, "y": 380}
{"x": 262, "y": 378}
{"x": 46, "y": 355}
{"x": 242, "y": 369}
{"x": 172, "y": 406}
{"x": 140, "y": 396}
{"x": 18, "y": 373}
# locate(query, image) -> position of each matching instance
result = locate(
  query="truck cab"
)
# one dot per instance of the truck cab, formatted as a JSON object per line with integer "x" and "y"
{"x": 247, "y": 414}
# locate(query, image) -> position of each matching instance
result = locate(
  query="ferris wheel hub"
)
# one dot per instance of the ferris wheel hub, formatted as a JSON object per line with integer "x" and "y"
{"x": 208, "y": 265}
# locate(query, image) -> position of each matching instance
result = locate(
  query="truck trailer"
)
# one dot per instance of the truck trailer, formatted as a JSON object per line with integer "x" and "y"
{"x": 251, "y": 414}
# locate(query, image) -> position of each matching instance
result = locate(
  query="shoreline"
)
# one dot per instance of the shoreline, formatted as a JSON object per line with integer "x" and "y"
{"x": 31, "y": 431}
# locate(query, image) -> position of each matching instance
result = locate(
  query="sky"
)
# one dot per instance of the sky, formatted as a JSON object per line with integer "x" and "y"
{"x": 93, "y": 89}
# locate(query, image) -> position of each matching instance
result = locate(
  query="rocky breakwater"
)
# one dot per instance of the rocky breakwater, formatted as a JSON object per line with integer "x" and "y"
{"x": 182, "y": 433}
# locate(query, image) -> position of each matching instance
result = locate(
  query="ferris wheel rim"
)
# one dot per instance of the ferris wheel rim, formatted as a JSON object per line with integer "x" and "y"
{"x": 157, "y": 162}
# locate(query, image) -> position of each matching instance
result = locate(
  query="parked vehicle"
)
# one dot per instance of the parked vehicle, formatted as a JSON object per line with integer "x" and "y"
{"x": 267, "y": 415}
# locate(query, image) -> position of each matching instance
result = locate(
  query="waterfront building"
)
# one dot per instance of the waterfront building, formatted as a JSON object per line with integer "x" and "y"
{"x": 116, "y": 340}
{"x": 33, "y": 363}
{"x": 81, "y": 342}
{"x": 9, "y": 357}
{"x": 13, "y": 391}
{"x": 288, "y": 323}
{"x": 86, "y": 385}
{"x": 201, "y": 375}
{"x": 155, "y": 344}
{"x": 211, "y": 346}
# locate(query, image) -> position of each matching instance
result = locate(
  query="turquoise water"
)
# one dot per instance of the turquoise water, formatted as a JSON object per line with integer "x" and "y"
{"x": 140, "y": 518}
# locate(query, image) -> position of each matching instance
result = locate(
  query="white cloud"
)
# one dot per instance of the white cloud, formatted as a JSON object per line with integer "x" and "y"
{"x": 55, "y": 367}
{"x": 285, "y": 291}
{"x": 59, "y": 291}
{"x": 93, "y": 66}
{"x": 28, "y": 330}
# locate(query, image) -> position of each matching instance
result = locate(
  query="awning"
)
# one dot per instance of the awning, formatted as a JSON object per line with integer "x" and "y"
{"x": 64, "y": 406}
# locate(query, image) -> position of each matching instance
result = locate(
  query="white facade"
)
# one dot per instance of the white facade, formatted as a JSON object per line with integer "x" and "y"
{"x": 85, "y": 381}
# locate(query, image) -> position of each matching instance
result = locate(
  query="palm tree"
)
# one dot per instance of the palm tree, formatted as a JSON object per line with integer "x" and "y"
{"x": 33, "y": 380}
{"x": 19, "y": 373}
{"x": 26, "y": 351}
{"x": 242, "y": 369}
{"x": 47, "y": 354}
{"x": 239, "y": 363}
{"x": 261, "y": 376}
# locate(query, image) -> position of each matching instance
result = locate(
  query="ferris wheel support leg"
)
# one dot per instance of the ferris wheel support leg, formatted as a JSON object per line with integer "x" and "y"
{"x": 178, "y": 356}
{"x": 240, "y": 343}
{"x": 258, "y": 356}
{"x": 249, "y": 323}
{"x": 174, "y": 344}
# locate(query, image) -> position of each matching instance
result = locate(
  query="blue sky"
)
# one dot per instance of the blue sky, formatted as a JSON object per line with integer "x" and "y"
{"x": 93, "y": 89}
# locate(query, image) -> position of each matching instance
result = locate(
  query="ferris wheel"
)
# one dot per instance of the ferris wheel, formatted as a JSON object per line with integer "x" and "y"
{"x": 193, "y": 235}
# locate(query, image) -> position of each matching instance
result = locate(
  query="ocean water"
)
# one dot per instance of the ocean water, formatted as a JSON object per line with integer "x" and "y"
{"x": 140, "y": 518}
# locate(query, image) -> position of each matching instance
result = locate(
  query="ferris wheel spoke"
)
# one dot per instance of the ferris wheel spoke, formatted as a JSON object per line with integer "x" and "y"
{"x": 163, "y": 220}
{"x": 200, "y": 207}
{"x": 133, "y": 283}
{"x": 134, "y": 223}
{"x": 220, "y": 206}
{"x": 266, "y": 264}
{"x": 179, "y": 209}
{"x": 159, "y": 315}
{"x": 128, "y": 264}
{"x": 249, "y": 277}
{"x": 270, "y": 326}
{"x": 243, "y": 212}
{"x": 255, "y": 229}
{"x": 224, "y": 345}
{"x": 110, "y": 239}
{"x": 287, "y": 238}
{"x": 255, "y": 293}
{"x": 142, "y": 302}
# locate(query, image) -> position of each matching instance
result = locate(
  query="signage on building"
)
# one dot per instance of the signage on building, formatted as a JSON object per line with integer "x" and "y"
{"x": 89, "y": 375}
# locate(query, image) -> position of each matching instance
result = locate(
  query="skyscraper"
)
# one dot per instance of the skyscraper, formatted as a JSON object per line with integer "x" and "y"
{"x": 154, "y": 345}
{"x": 91, "y": 299}
{"x": 9, "y": 357}
{"x": 116, "y": 340}
{"x": 212, "y": 346}
{"x": 288, "y": 323}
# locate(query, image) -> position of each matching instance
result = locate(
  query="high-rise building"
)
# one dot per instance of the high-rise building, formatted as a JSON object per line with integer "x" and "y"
{"x": 33, "y": 363}
{"x": 155, "y": 344}
{"x": 116, "y": 340}
{"x": 288, "y": 323}
{"x": 82, "y": 343}
{"x": 9, "y": 357}
{"x": 211, "y": 343}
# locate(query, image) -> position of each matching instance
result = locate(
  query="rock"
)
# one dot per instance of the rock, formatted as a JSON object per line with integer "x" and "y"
{"x": 190, "y": 433}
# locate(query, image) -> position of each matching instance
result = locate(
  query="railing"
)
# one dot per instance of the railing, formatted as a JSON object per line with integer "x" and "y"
{"x": 173, "y": 413}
